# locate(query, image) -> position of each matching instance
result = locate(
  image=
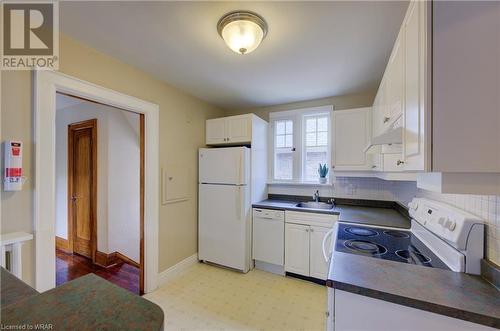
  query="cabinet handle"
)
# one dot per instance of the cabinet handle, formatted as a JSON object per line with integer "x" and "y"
{"x": 374, "y": 166}
{"x": 307, "y": 230}
{"x": 327, "y": 313}
{"x": 400, "y": 162}
{"x": 312, "y": 230}
{"x": 386, "y": 119}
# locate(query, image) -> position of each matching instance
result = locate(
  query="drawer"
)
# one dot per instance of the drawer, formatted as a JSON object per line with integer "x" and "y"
{"x": 312, "y": 219}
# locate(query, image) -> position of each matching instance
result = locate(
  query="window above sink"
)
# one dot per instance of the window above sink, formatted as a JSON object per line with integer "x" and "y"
{"x": 300, "y": 140}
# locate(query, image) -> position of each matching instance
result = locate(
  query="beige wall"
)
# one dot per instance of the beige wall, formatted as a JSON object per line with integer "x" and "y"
{"x": 339, "y": 102}
{"x": 182, "y": 128}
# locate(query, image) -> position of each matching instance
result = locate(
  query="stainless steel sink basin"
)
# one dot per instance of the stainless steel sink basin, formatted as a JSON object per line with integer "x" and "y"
{"x": 314, "y": 205}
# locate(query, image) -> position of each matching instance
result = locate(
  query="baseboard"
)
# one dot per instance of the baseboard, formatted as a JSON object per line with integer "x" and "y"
{"x": 119, "y": 256}
{"x": 107, "y": 260}
{"x": 63, "y": 245}
{"x": 103, "y": 259}
{"x": 177, "y": 269}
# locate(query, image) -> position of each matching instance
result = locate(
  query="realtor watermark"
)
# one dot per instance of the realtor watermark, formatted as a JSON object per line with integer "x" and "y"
{"x": 30, "y": 35}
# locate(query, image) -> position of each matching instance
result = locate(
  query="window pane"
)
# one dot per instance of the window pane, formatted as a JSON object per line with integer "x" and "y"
{"x": 280, "y": 127}
{"x": 283, "y": 166}
{"x": 311, "y": 139}
{"x": 311, "y": 124}
{"x": 322, "y": 138}
{"x": 289, "y": 127}
{"x": 289, "y": 140}
{"x": 280, "y": 141}
{"x": 313, "y": 157}
{"x": 322, "y": 123}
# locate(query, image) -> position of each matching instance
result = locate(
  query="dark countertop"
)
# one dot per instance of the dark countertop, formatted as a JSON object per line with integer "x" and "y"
{"x": 86, "y": 303}
{"x": 348, "y": 213}
{"x": 449, "y": 293}
{"x": 373, "y": 216}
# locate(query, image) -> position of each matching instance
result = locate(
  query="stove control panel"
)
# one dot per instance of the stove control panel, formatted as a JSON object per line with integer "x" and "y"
{"x": 448, "y": 222}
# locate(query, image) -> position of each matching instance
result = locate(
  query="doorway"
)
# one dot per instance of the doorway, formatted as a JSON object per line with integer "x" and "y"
{"x": 46, "y": 85}
{"x": 99, "y": 192}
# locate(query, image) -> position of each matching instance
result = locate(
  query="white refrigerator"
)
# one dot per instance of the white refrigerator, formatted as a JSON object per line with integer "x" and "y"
{"x": 224, "y": 226}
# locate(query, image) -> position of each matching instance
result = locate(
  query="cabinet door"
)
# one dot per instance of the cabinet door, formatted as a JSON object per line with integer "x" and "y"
{"x": 297, "y": 249}
{"x": 318, "y": 268}
{"x": 352, "y": 132}
{"x": 239, "y": 129}
{"x": 395, "y": 82}
{"x": 216, "y": 131}
{"x": 413, "y": 144}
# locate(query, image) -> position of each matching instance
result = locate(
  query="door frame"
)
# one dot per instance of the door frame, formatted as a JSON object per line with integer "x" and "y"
{"x": 45, "y": 86}
{"x": 72, "y": 129}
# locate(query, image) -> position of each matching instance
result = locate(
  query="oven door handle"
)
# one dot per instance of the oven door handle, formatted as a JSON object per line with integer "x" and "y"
{"x": 325, "y": 239}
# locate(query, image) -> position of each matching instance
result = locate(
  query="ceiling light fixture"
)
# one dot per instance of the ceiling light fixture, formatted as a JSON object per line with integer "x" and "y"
{"x": 243, "y": 31}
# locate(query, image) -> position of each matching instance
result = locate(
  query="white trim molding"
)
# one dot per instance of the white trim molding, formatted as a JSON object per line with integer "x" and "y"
{"x": 167, "y": 275}
{"x": 46, "y": 84}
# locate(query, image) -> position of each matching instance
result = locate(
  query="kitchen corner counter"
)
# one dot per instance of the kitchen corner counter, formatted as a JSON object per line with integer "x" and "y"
{"x": 457, "y": 295}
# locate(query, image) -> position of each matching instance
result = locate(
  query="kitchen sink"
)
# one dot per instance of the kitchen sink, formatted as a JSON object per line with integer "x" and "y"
{"x": 315, "y": 205}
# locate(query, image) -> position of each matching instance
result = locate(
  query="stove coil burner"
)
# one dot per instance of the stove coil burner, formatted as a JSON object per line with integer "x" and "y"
{"x": 364, "y": 246}
{"x": 361, "y": 232}
{"x": 397, "y": 234}
{"x": 412, "y": 256}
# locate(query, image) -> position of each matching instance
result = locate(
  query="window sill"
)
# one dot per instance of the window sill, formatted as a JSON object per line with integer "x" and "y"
{"x": 298, "y": 184}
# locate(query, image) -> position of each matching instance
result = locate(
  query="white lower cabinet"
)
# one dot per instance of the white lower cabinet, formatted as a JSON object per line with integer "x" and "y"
{"x": 297, "y": 249}
{"x": 318, "y": 268}
{"x": 304, "y": 243}
{"x": 380, "y": 315}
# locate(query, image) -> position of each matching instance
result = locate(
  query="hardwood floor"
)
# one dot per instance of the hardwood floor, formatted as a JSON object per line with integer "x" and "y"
{"x": 71, "y": 266}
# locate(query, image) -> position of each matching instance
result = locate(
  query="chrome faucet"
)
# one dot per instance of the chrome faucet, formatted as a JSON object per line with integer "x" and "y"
{"x": 316, "y": 196}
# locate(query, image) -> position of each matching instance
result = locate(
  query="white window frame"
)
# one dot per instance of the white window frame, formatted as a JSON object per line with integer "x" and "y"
{"x": 297, "y": 117}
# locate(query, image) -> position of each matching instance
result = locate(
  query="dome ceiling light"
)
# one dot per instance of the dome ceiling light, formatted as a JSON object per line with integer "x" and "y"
{"x": 243, "y": 31}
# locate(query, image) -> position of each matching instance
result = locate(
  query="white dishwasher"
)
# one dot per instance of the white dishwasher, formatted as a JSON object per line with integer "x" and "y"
{"x": 268, "y": 247}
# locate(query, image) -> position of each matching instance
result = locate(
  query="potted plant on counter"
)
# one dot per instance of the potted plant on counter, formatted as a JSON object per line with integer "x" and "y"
{"x": 323, "y": 172}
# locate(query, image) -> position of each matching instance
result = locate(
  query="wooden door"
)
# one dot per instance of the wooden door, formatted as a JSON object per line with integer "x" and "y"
{"x": 82, "y": 179}
{"x": 297, "y": 248}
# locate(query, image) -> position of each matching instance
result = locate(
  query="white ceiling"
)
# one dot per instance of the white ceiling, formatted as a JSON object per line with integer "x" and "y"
{"x": 313, "y": 49}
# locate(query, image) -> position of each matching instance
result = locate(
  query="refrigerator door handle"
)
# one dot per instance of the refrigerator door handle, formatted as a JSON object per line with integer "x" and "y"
{"x": 239, "y": 169}
{"x": 238, "y": 204}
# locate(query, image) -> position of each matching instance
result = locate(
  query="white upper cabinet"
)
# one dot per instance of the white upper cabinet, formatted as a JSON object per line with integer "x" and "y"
{"x": 216, "y": 131}
{"x": 231, "y": 130}
{"x": 351, "y": 135}
{"x": 239, "y": 129}
{"x": 414, "y": 84}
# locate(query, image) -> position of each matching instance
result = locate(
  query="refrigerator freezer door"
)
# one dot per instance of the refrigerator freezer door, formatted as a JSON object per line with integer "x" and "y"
{"x": 224, "y": 225}
{"x": 224, "y": 165}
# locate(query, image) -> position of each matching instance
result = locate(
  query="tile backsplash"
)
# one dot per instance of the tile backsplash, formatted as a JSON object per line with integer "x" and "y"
{"x": 486, "y": 207}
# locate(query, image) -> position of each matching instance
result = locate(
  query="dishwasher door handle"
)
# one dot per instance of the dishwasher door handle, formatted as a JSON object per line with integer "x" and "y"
{"x": 325, "y": 239}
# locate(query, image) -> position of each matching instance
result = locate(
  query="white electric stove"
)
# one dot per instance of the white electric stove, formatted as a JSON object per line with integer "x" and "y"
{"x": 441, "y": 236}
